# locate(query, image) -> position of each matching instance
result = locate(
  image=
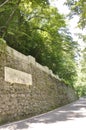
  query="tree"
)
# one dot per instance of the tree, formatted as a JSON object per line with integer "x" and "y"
{"x": 35, "y": 28}
{"x": 83, "y": 72}
{"x": 78, "y": 7}
{"x": 81, "y": 82}
{"x": 9, "y": 8}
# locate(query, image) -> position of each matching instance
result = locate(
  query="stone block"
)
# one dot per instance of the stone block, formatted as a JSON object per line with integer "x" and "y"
{"x": 31, "y": 60}
{"x": 40, "y": 66}
{"x": 51, "y": 72}
{"x": 16, "y": 76}
{"x": 46, "y": 69}
{"x": 15, "y": 54}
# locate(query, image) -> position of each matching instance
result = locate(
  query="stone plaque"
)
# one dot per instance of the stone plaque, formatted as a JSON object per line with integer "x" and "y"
{"x": 16, "y": 76}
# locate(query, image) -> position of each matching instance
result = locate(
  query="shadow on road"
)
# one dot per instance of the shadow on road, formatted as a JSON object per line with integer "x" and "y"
{"x": 68, "y": 112}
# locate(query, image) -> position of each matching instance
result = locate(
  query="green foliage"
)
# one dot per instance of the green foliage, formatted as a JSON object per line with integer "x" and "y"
{"x": 81, "y": 82}
{"x": 2, "y": 41}
{"x": 3, "y": 46}
{"x": 83, "y": 72}
{"x": 81, "y": 90}
{"x": 78, "y": 7}
{"x": 35, "y": 28}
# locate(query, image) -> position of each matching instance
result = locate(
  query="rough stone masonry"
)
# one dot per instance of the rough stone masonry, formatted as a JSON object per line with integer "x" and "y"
{"x": 28, "y": 88}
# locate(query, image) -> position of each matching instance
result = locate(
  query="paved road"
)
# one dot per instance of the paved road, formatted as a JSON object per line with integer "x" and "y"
{"x": 69, "y": 117}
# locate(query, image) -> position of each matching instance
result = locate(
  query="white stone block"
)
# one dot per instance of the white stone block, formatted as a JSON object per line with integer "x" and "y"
{"x": 31, "y": 59}
{"x": 16, "y": 76}
{"x": 15, "y": 54}
{"x": 51, "y": 73}
{"x": 46, "y": 69}
{"x": 39, "y": 66}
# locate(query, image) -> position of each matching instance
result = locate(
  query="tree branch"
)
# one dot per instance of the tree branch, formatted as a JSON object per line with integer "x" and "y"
{"x": 11, "y": 17}
{"x": 4, "y": 3}
{"x": 36, "y": 16}
{"x": 37, "y": 28}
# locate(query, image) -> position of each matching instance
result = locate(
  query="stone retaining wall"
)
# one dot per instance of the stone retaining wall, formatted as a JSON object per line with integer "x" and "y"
{"x": 28, "y": 88}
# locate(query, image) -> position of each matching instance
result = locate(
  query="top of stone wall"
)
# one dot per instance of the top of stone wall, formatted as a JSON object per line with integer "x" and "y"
{"x": 29, "y": 59}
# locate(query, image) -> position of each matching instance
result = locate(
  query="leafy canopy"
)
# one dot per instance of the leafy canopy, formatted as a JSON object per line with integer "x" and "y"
{"x": 78, "y": 7}
{"x": 35, "y": 28}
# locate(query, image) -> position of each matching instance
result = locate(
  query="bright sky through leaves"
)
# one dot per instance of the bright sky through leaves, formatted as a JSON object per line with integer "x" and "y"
{"x": 72, "y": 24}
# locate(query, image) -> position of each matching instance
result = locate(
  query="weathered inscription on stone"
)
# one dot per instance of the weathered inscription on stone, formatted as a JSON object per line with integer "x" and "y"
{"x": 16, "y": 76}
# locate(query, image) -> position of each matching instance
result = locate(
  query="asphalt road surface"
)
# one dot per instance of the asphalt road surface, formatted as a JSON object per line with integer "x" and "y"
{"x": 68, "y": 117}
